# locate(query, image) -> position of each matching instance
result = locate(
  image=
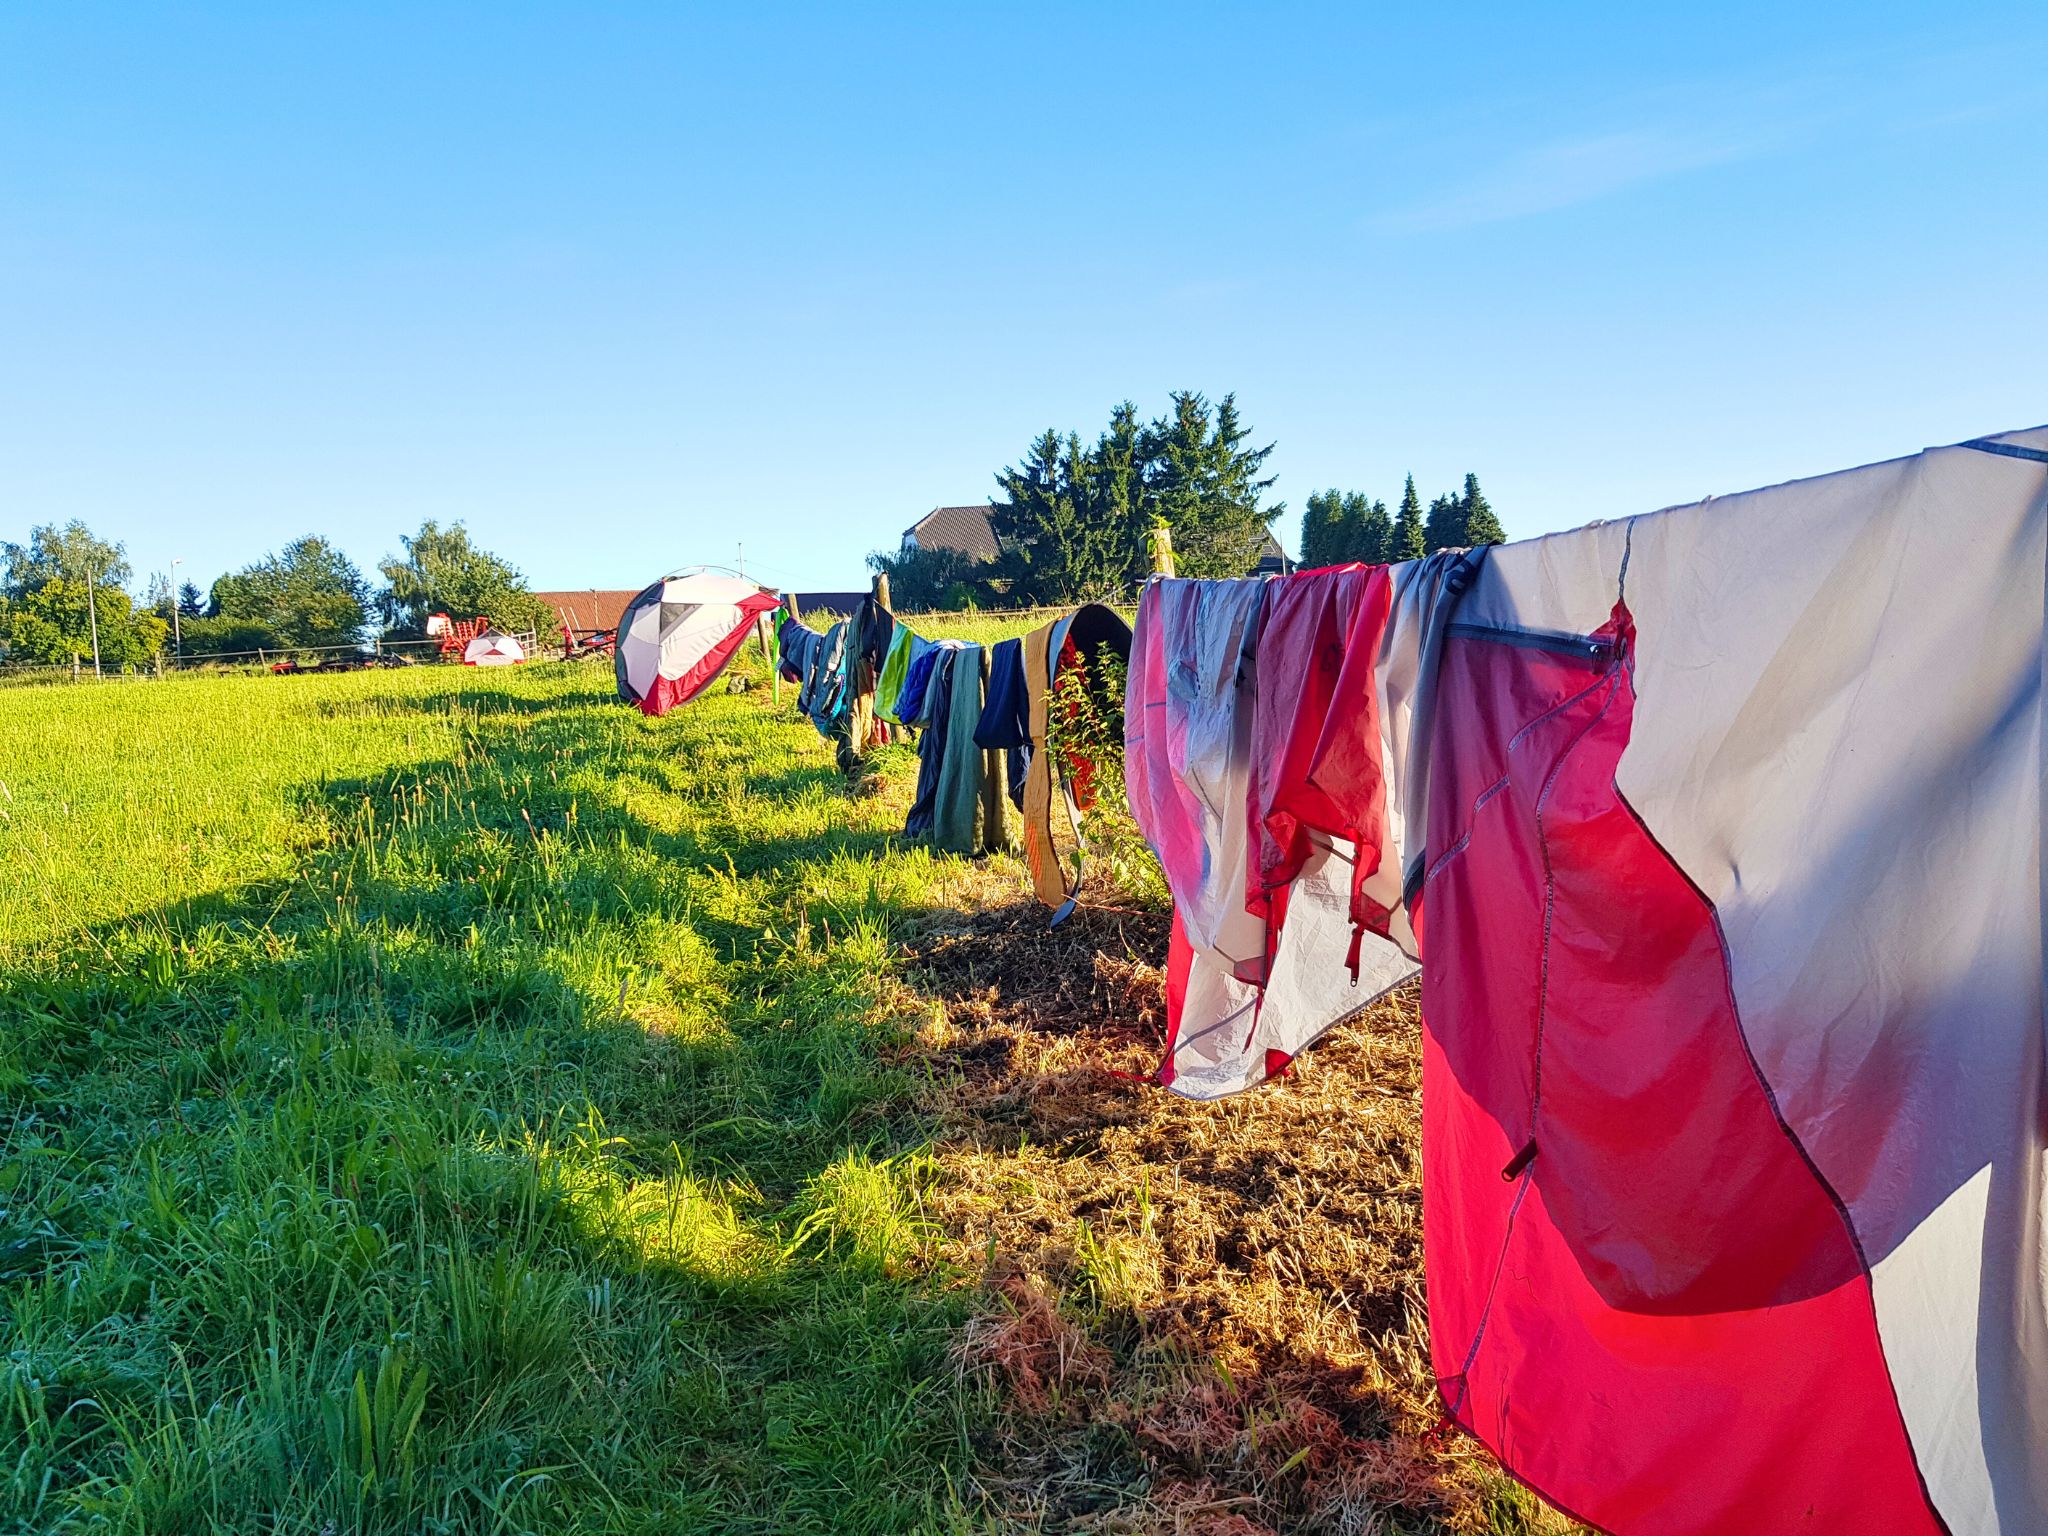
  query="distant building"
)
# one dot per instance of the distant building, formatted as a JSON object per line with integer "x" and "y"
{"x": 590, "y": 610}
{"x": 965, "y": 530}
{"x": 968, "y": 531}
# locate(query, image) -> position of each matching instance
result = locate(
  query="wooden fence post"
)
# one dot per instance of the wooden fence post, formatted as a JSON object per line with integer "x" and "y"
{"x": 1161, "y": 539}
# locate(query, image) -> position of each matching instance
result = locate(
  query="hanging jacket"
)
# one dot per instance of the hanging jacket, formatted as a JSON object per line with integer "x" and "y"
{"x": 794, "y": 643}
{"x": 1187, "y": 753}
{"x": 1316, "y": 739}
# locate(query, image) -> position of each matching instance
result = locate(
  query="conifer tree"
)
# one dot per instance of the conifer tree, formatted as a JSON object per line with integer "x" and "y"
{"x": 1322, "y": 529}
{"x": 1444, "y": 526}
{"x": 1407, "y": 542}
{"x": 1374, "y": 538}
{"x": 1481, "y": 526}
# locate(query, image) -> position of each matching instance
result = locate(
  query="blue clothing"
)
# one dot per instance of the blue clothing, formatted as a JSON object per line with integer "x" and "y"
{"x": 826, "y": 695}
{"x": 1005, "y": 723}
{"x": 889, "y": 706}
{"x": 935, "y": 679}
{"x": 911, "y": 704}
{"x": 794, "y": 643}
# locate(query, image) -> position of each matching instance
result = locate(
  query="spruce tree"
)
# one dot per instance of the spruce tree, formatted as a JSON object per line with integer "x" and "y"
{"x": 1322, "y": 529}
{"x": 1444, "y": 526}
{"x": 1481, "y": 526}
{"x": 1202, "y": 478}
{"x": 1374, "y": 539}
{"x": 1407, "y": 542}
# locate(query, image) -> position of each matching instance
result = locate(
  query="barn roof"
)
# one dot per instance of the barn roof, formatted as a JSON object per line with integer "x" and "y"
{"x": 966, "y": 529}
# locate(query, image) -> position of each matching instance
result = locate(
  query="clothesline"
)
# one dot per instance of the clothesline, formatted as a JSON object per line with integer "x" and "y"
{"x": 982, "y": 717}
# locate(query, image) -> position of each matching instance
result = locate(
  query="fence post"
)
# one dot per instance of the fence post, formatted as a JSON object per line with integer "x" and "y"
{"x": 74, "y": 666}
{"x": 1161, "y": 539}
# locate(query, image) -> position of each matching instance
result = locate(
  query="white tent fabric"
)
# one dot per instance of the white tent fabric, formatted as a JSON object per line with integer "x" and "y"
{"x": 1839, "y": 740}
{"x": 680, "y": 633}
{"x": 492, "y": 649}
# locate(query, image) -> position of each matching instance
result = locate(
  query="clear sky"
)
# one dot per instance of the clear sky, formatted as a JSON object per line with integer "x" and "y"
{"x": 626, "y": 286}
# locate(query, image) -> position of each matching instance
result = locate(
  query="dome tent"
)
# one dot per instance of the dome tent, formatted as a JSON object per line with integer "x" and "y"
{"x": 679, "y": 634}
{"x": 493, "y": 649}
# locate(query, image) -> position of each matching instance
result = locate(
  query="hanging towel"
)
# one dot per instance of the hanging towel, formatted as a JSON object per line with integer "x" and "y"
{"x": 967, "y": 809}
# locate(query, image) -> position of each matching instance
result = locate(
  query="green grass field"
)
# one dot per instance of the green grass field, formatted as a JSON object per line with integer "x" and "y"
{"x": 442, "y": 1101}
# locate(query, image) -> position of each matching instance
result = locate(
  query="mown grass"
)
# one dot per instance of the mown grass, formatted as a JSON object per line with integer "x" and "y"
{"x": 437, "y": 1101}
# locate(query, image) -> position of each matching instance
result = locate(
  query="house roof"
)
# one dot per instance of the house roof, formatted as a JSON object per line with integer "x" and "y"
{"x": 969, "y": 530}
{"x": 591, "y": 609}
{"x": 966, "y": 529}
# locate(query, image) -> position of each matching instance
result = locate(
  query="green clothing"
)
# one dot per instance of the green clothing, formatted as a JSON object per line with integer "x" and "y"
{"x": 967, "y": 812}
{"x": 895, "y": 667}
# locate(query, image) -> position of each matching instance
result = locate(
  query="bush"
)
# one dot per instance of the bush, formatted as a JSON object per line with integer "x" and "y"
{"x": 931, "y": 580}
{"x": 1086, "y": 724}
{"x": 228, "y": 637}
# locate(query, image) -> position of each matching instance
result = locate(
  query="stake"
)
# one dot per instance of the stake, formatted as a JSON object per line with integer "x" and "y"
{"x": 92, "y": 613}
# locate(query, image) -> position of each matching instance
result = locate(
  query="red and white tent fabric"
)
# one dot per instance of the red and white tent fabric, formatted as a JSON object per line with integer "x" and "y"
{"x": 492, "y": 649}
{"x": 679, "y": 634}
{"x": 1718, "y": 832}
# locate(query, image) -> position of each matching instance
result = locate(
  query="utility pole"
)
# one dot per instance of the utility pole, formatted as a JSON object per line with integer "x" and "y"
{"x": 177, "y": 629}
{"x": 92, "y": 615}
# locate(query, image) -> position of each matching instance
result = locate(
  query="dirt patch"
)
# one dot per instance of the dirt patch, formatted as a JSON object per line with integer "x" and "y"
{"x": 1195, "y": 1317}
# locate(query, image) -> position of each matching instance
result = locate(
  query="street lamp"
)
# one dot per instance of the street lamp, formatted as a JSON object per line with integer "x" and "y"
{"x": 177, "y": 629}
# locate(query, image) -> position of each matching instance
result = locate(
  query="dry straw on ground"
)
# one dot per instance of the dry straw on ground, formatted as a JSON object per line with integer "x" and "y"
{"x": 1198, "y": 1318}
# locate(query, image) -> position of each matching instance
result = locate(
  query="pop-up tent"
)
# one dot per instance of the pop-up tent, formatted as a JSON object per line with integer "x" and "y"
{"x": 492, "y": 649}
{"x": 679, "y": 634}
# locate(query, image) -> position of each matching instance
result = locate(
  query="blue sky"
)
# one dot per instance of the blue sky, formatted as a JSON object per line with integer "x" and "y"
{"x": 626, "y": 286}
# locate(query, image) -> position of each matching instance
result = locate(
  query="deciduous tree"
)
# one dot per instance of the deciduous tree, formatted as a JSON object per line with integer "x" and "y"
{"x": 443, "y": 571}
{"x": 308, "y": 595}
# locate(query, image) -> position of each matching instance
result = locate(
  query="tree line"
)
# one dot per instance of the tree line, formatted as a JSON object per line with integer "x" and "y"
{"x": 63, "y": 582}
{"x": 1073, "y": 515}
{"x": 1341, "y": 526}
